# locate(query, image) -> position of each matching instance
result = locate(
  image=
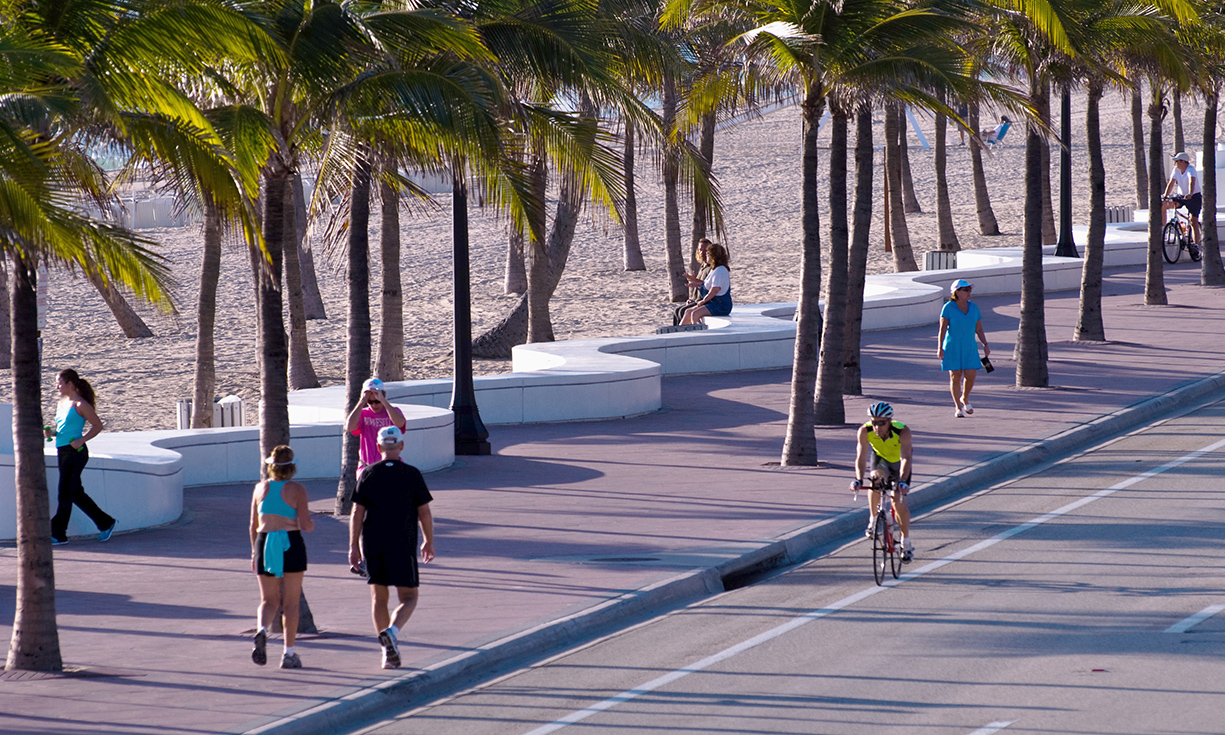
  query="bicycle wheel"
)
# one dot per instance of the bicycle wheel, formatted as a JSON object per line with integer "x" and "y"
{"x": 880, "y": 549}
{"x": 895, "y": 558}
{"x": 1171, "y": 242}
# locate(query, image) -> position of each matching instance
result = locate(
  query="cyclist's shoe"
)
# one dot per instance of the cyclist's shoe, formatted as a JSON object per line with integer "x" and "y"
{"x": 907, "y": 551}
{"x": 870, "y": 531}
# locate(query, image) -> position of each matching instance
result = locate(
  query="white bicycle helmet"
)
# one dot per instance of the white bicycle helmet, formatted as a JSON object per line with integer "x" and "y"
{"x": 880, "y": 410}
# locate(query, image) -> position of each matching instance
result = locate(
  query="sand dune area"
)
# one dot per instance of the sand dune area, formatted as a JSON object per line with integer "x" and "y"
{"x": 758, "y": 168}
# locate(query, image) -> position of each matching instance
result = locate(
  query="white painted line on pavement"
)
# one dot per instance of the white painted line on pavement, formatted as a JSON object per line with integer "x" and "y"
{"x": 769, "y": 635}
{"x": 1196, "y": 619}
{"x": 992, "y": 727}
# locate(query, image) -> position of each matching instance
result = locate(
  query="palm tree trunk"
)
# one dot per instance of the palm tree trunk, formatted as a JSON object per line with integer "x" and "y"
{"x": 706, "y": 147}
{"x": 35, "y": 644}
{"x": 857, "y": 265}
{"x": 830, "y": 410}
{"x": 6, "y": 319}
{"x": 909, "y": 200}
{"x": 903, "y": 255}
{"x": 515, "y": 279}
{"x": 947, "y": 234}
{"x": 1049, "y": 235}
{"x": 301, "y": 371}
{"x": 1211, "y": 271}
{"x": 1031, "y": 347}
{"x": 205, "y": 382}
{"x": 633, "y": 247}
{"x": 800, "y": 444}
{"x": 1154, "y": 273}
{"x": 357, "y": 352}
{"x": 672, "y": 218}
{"x": 1180, "y": 142}
{"x": 1137, "y": 142}
{"x": 255, "y": 259}
{"x": 539, "y": 322}
{"x": 390, "y": 362}
{"x": 312, "y": 301}
{"x": 274, "y": 364}
{"x": 987, "y": 224}
{"x": 129, "y": 321}
{"x": 1089, "y": 326}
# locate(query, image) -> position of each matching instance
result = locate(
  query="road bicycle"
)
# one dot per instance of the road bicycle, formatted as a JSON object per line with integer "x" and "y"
{"x": 1177, "y": 236}
{"x": 886, "y": 533}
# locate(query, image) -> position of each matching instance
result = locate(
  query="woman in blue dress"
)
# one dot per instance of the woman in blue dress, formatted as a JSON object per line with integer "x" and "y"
{"x": 960, "y": 323}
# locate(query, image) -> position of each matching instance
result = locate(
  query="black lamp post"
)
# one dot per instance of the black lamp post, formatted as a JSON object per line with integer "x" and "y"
{"x": 1066, "y": 247}
{"x": 471, "y": 436}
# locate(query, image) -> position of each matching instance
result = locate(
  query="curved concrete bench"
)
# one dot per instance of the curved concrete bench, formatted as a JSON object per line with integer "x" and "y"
{"x": 139, "y": 476}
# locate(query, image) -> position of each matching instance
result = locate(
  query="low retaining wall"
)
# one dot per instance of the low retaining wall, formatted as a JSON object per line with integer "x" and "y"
{"x": 139, "y": 476}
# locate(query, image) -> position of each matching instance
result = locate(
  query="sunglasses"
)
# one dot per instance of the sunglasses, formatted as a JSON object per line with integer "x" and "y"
{"x": 879, "y": 422}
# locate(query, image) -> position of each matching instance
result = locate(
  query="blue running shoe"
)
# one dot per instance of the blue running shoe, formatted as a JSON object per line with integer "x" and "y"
{"x": 106, "y": 534}
{"x": 59, "y": 541}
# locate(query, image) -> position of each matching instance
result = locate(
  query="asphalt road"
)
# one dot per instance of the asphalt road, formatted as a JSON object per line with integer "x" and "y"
{"x": 1080, "y": 599}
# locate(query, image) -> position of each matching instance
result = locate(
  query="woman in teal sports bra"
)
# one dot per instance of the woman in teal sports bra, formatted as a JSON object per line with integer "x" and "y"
{"x": 75, "y": 409}
{"x": 279, "y": 514}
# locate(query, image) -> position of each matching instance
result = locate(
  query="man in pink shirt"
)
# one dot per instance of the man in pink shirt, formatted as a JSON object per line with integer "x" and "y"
{"x": 372, "y": 413}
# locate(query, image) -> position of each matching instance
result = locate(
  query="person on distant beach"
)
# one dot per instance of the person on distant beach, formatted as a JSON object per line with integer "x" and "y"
{"x": 1190, "y": 194}
{"x": 279, "y": 515}
{"x": 697, "y": 290}
{"x": 372, "y": 413}
{"x": 960, "y": 323}
{"x": 994, "y": 134}
{"x": 718, "y": 284}
{"x": 76, "y": 408}
{"x": 390, "y": 501}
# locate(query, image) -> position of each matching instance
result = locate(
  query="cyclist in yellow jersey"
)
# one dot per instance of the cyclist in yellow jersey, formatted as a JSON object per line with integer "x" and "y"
{"x": 884, "y": 450}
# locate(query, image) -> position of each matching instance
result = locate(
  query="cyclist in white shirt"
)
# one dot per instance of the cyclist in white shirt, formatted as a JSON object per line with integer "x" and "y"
{"x": 1189, "y": 192}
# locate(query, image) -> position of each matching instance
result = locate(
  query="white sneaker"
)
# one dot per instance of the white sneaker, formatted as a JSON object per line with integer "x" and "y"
{"x": 391, "y": 651}
{"x": 907, "y": 551}
{"x": 967, "y": 408}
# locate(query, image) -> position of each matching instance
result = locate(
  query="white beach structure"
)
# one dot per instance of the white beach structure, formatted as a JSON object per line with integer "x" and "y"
{"x": 139, "y": 476}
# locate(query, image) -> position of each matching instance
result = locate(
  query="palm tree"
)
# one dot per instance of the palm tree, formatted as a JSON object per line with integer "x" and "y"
{"x": 1137, "y": 142}
{"x": 109, "y": 75}
{"x": 987, "y": 224}
{"x": 946, "y": 233}
{"x": 903, "y": 254}
{"x": 858, "y": 261}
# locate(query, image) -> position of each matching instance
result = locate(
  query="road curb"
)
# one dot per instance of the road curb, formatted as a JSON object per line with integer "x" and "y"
{"x": 366, "y": 702}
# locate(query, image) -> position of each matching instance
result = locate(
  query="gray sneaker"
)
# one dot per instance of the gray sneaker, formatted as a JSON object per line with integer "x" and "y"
{"x": 391, "y": 652}
{"x": 291, "y": 661}
{"x": 259, "y": 653}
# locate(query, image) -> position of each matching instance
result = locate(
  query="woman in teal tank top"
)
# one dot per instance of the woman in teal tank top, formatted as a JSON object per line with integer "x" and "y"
{"x": 279, "y": 515}
{"x": 74, "y": 411}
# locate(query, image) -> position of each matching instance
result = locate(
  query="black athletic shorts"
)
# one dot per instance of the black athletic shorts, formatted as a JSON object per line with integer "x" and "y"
{"x": 394, "y": 567}
{"x": 295, "y": 557}
{"x": 1193, "y": 203}
{"x": 891, "y": 470}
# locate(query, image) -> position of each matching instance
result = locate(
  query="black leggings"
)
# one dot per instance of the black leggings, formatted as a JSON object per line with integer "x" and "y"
{"x": 72, "y": 463}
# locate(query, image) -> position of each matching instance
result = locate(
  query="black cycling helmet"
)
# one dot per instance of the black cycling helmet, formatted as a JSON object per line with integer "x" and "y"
{"x": 880, "y": 410}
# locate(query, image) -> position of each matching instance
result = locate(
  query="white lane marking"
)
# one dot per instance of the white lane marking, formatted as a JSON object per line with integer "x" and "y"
{"x": 769, "y": 635}
{"x": 992, "y": 727}
{"x": 1197, "y": 618}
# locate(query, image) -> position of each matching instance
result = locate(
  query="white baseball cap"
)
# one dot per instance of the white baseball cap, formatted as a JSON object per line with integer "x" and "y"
{"x": 959, "y": 283}
{"x": 1182, "y": 156}
{"x": 390, "y": 435}
{"x": 372, "y": 384}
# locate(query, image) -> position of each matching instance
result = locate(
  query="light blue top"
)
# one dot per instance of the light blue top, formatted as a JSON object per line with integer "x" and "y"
{"x": 69, "y": 424}
{"x": 274, "y": 504}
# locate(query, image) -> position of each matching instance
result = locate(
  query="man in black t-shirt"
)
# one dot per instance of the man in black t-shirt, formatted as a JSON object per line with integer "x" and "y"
{"x": 391, "y": 499}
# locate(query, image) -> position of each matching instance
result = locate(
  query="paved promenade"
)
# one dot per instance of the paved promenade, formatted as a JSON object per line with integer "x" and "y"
{"x": 568, "y": 517}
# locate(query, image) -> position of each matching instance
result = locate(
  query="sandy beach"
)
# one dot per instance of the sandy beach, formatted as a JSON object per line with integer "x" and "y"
{"x": 758, "y": 166}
